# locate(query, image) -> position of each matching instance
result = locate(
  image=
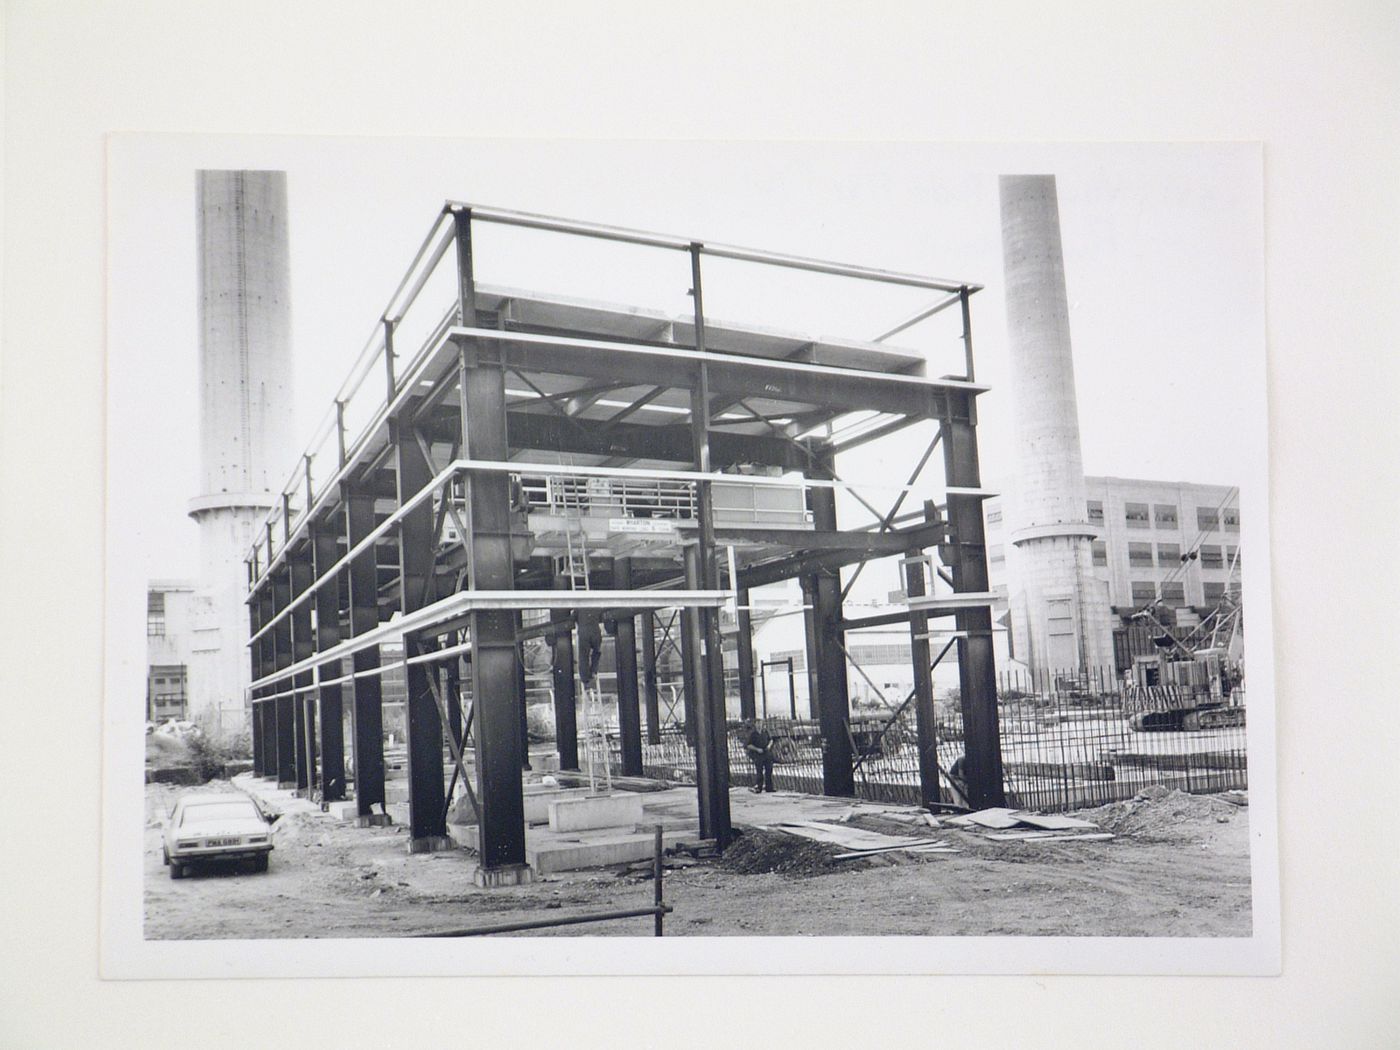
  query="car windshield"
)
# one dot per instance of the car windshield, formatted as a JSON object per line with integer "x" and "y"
{"x": 233, "y": 810}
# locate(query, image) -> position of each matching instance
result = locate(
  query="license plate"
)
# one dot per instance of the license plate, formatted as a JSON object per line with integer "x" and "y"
{"x": 221, "y": 842}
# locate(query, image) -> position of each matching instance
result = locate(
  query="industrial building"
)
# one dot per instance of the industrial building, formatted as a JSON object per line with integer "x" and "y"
{"x": 1176, "y": 543}
{"x": 169, "y": 633}
{"x": 495, "y": 494}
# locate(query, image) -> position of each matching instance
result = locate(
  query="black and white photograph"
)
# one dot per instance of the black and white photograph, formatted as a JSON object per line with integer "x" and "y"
{"x": 814, "y": 541}
{"x": 619, "y": 524}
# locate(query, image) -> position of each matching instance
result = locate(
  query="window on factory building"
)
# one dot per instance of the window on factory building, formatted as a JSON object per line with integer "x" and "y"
{"x": 1143, "y": 592}
{"x": 1233, "y": 556}
{"x": 1207, "y": 519}
{"x": 165, "y": 690}
{"x": 1174, "y": 593}
{"x": 1137, "y": 515}
{"x": 1230, "y": 518}
{"x": 1140, "y": 554}
{"x": 1214, "y": 591}
{"x": 1165, "y": 515}
{"x": 996, "y": 554}
{"x": 155, "y": 614}
{"x": 1100, "y": 552}
{"x": 1096, "y": 512}
{"x": 1210, "y": 557}
{"x": 993, "y": 515}
{"x": 1168, "y": 555}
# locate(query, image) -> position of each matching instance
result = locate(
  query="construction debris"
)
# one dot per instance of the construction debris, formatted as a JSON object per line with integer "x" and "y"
{"x": 1038, "y": 827}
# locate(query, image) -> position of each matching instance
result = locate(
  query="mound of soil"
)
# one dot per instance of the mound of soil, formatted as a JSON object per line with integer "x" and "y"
{"x": 1159, "y": 812}
{"x": 759, "y": 852}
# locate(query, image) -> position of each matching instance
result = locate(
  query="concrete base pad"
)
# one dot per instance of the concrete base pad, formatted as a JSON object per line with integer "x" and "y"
{"x": 431, "y": 844}
{"x": 373, "y": 820}
{"x": 510, "y": 875}
{"x": 547, "y": 851}
{"x": 621, "y": 810}
{"x": 343, "y": 810}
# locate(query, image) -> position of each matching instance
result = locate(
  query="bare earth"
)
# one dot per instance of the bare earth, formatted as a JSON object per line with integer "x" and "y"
{"x": 1179, "y": 867}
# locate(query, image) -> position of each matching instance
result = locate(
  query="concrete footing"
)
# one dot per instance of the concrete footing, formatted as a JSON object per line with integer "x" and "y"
{"x": 508, "y": 875}
{"x": 373, "y": 820}
{"x": 431, "y": 844}
{"x": 595, "y": 811}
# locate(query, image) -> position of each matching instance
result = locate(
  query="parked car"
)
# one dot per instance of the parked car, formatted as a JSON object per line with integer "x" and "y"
{"x": 225, "y": 826}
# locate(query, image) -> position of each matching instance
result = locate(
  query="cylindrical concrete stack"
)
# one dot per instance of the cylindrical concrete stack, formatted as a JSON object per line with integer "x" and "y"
{"x": 1060, "y": 614}
{"x": 245, "y": 416}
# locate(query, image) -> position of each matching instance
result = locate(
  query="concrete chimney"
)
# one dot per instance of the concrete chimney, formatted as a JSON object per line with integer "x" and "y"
{"x": 1060, "y": 613}
{"x": 245, "y": 416}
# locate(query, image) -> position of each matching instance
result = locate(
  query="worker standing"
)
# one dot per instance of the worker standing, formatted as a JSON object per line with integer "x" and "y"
{"x": 759, "y": 746}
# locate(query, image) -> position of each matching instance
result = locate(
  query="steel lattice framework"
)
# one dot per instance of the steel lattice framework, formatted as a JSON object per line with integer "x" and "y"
{"x": 496, "y": 445}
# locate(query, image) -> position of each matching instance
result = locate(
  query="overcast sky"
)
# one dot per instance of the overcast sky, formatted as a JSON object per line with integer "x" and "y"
{"x": 1163, "y": 250}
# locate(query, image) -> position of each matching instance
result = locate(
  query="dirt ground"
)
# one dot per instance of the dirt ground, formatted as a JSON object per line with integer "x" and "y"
{"x": 1178, "y": 866}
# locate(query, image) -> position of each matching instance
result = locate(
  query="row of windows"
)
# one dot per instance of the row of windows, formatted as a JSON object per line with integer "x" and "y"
{"x": 1167, "y": 555}
{"x": 1174, "y": 593}
{"x": 1164, "y": 516}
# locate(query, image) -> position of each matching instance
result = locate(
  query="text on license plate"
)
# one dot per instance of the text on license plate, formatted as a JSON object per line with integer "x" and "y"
{"x": 221, "y": 842}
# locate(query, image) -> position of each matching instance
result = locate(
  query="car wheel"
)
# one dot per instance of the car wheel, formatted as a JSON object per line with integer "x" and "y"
{"x": 177, "y": 871}
{"x": 260, "y": 862}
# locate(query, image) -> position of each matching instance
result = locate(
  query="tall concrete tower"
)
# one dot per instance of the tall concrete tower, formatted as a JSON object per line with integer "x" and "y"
{"x": 1060, "y": 613}
{"x": 245, "y": 417}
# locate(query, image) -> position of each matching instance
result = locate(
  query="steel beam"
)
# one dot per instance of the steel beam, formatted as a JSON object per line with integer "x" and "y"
{"x": 300, "y": 572}
{"x": 650, "y": 693}
{"x": 966, "y": 555}
{"x": 286, "y": 767}
{"x": 925, "y": 715}
{"x": 744, "y": 644}
{"x": 629, "y": 715}
{"x": 565, "y": 697}
{"x": 517, "y": 622}
{"x": 496, "y": 699}
{"x": 324, "y": 553}
{"x": 364, "y": 617}
{"x": 711, "y": 731}
{"x": 427, "y": 823}
{"x": 827, "y": 663}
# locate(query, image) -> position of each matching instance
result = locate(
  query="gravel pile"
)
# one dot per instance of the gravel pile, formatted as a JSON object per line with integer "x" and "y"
{"x": 759, "y": 852}
{"x": 1156, "y": 812}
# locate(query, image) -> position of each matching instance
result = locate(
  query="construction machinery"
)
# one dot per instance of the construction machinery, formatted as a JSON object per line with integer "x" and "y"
{"x": 1180, "y": 690}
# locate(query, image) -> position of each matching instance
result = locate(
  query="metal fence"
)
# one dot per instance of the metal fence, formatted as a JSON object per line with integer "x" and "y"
{"x": 1067, "y": 742}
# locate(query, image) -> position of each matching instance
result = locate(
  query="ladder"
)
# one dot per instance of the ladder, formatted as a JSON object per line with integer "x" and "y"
{"x": 598, "y": 748}
{"x": 575, "y": 555}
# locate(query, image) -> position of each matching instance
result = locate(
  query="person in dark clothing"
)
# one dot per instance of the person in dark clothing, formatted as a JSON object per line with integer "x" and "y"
{"x": 759, "y": 746}
{"x": 590, "y": 643}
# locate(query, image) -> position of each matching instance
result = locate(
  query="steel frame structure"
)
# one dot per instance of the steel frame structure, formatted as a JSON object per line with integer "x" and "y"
{"x": 418, "y": 531}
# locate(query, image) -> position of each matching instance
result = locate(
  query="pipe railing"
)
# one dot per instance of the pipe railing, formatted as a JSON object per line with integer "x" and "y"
{"x": 431, "y": 251}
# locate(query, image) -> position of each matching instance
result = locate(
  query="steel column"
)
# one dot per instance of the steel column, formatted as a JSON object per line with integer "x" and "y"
{"x": 364, "y": 616}
{"x": 324, "y": 553}
{"x": 255, "y": 665}
{"x": 925, "y": 715}
{"x": 565, "y": 698}
{"x": 518, "y": 625}
{"x": 744, "y": 644}
{"x": 285, "y": 707}
{"x": 427, "y": 820}
{"x": 827, "y": 669}
{"x": 495, "y": 684}
{"x": 650, "y": 693}
{"x": 629, "y": 715}
{"x": 966, "y": 557}
{"x": 300, "y": 571}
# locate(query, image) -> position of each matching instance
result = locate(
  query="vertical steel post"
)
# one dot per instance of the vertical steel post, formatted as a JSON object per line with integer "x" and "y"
{"x": 368, "y": 692}
{"x": 966, "y": 556}
{"x": 629, "y": 714}
{"x": 650, "y": 693}
{"x": 303, "y": 646}
{"x": 561, "y": 640}
{"x": 711, "y": 733}
{"x": 427, "y": 821}
{"x": 690, "y": 688}
{"x": 517, "y": 622}
{"x": 495, "y": 684}
{"x": 256, "y": 669}
{"x": 324, "y": 554}
{"x": 925, "y": 715}
{"x": 744, "y": 640}
{"x": 829, "y": 675}
{"x": 285, "y": 707}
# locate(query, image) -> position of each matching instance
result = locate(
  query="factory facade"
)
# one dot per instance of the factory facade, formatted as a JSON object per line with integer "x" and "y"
{"x": 1167, "y": 541}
